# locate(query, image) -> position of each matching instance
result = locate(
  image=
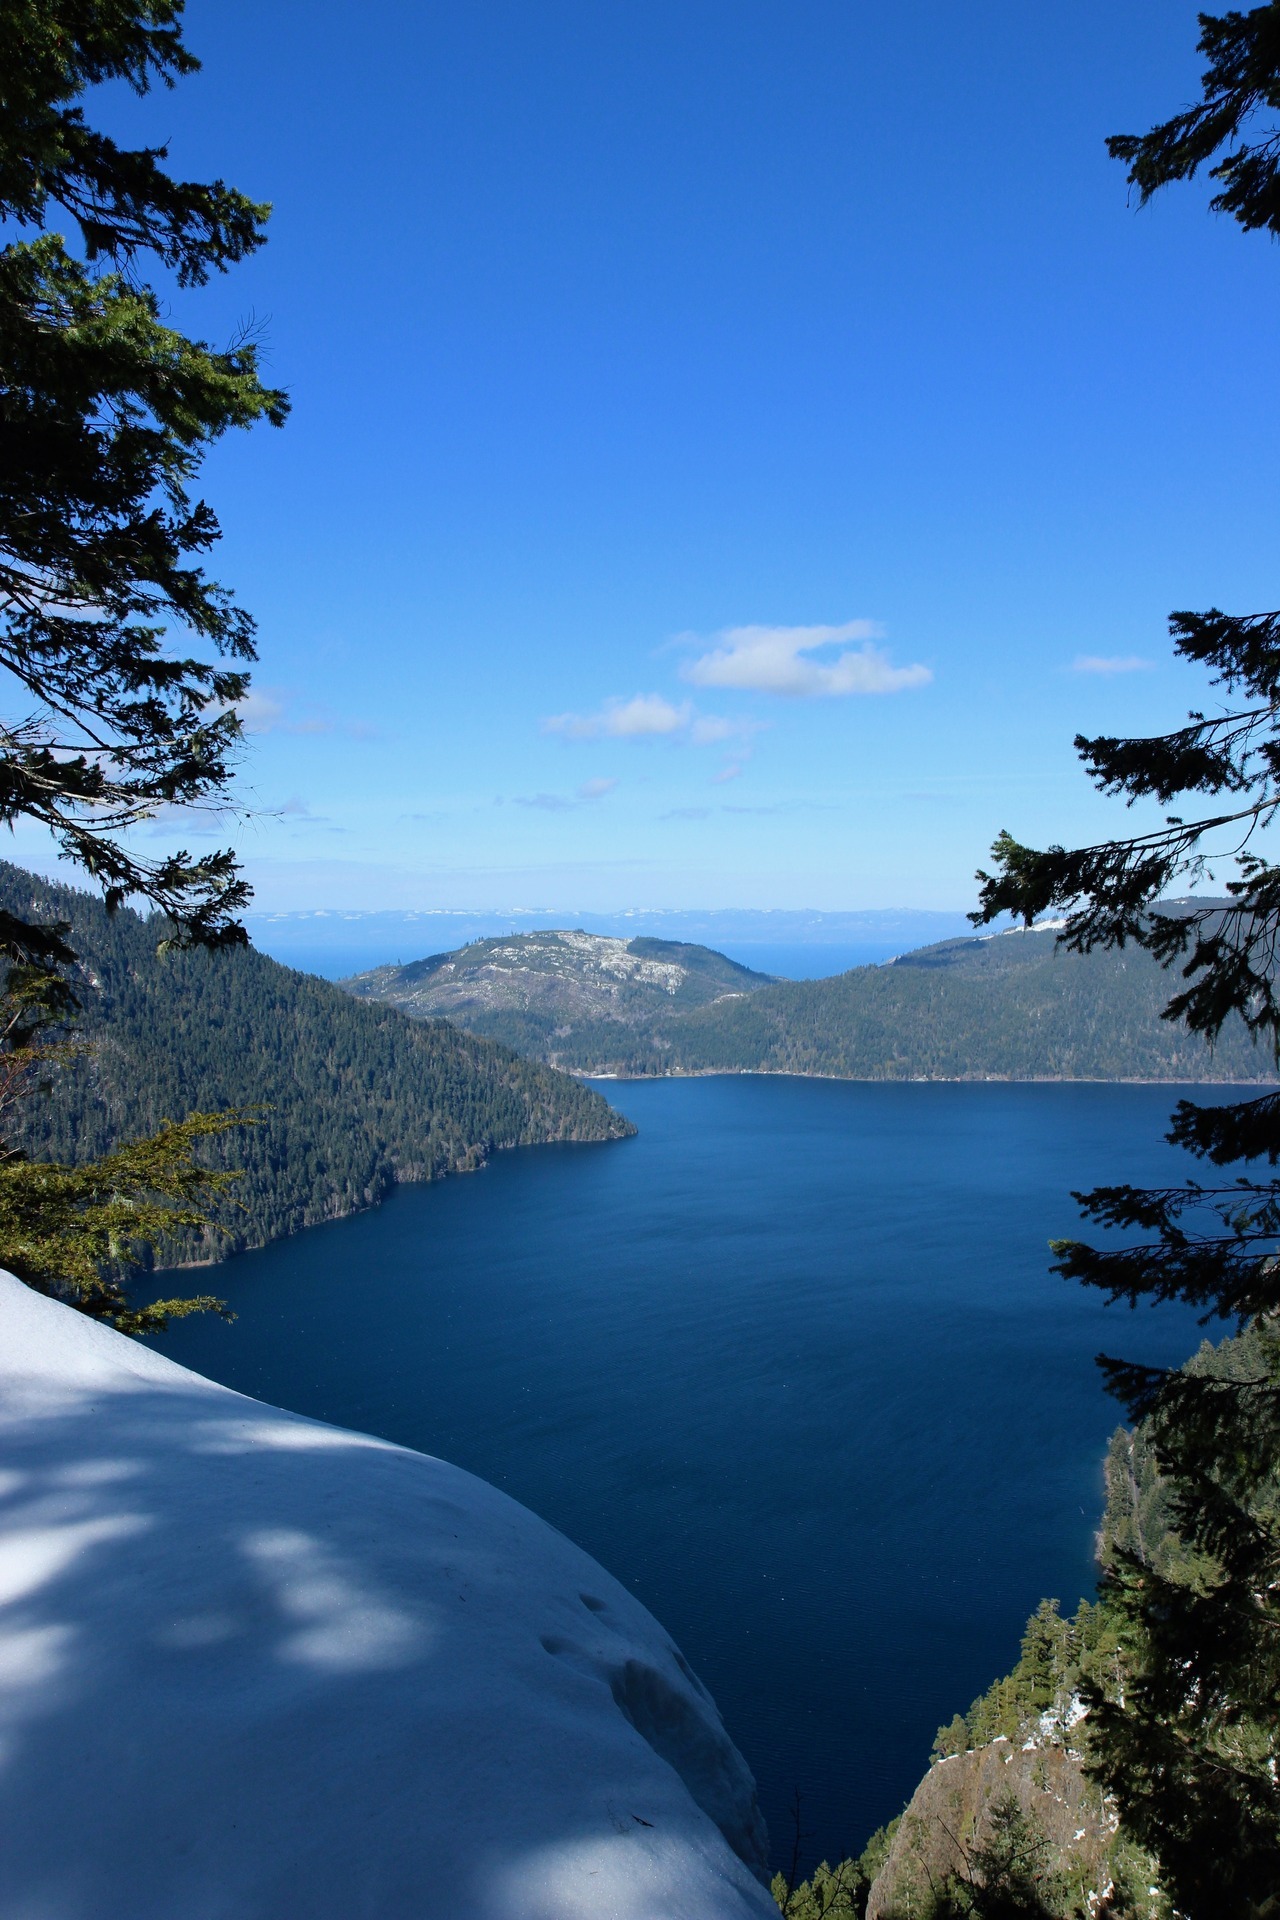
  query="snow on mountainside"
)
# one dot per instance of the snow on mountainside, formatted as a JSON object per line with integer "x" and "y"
{"x": 254, "y": 1666}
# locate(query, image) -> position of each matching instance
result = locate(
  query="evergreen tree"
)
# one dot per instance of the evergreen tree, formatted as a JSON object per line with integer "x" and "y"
{"x": 107, "y": 410}
{"x": 1189, "y": 1742}
{"x": 1042, "y": 1654}
{"x": 76, "y": 1232}
{"x": 1006, "y": 1875}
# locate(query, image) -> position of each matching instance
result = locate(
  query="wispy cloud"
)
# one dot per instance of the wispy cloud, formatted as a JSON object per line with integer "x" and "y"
{"x": 776, "y": 660}
{"x": 547, "y": 802}
{"x": 202, "y": 820}
{"x": 1110, "y": 663}
{"x": 259, "y": 712}
{"x": 732, "y": 772}
{"x": 274, "y": 710}
{"x": 299, "y": 813}
{"x": 589, "y": 791}
{"x": 786, "y": 806}
{"x": 713, "y": 729}
{"x": 773, "y": 807}
{"x": 648, "y": 716}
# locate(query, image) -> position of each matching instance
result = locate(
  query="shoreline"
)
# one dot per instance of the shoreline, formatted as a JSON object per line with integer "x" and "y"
{"x": 916, "y": 1079}
{"x": 717, "y": 1073}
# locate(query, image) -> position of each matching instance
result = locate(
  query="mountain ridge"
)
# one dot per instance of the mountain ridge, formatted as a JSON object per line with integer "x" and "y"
{"x": 532, "y": 991}
{"x": 1006, "y": 1006}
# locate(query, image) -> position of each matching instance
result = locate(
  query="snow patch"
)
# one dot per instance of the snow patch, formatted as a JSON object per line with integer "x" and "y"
{"x": 1039, "y": 926}
{"x": 252, "y": 1665}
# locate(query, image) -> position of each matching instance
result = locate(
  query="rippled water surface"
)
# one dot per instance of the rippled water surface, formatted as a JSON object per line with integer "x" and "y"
{"x": 790, "y": 1363}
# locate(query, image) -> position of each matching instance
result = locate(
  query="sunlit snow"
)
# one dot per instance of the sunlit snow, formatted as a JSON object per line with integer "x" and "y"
{"x": 254, "y": 1666}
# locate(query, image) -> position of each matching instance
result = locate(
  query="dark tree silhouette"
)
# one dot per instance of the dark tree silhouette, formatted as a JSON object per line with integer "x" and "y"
{"x": 1189, "y": 1745}
{"x": 107, "y": 410}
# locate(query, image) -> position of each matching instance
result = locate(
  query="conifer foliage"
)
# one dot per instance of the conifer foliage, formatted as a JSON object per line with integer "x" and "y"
{"x": 124, "y": 661}
{"x": 1190, "y": 1744}
{"x": 77, "y": 1232}
{"x": 107, "y": 410}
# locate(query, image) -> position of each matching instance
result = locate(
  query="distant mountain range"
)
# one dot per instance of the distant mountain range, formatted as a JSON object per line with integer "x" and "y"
{"x": 355, "y": 1097}
{"x": 1004, "y": 1006}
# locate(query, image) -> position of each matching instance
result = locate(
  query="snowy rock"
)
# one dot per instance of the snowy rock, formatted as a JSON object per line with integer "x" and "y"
{"x": 257, "y": 1668}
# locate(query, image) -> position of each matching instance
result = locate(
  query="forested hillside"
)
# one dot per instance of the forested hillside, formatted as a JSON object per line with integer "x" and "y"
{"x": 356, "y": 1097}
{"x": 1011, "y": 1006}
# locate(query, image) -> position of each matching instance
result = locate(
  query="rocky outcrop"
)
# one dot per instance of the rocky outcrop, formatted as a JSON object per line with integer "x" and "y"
{"x": 950, "y": 1815}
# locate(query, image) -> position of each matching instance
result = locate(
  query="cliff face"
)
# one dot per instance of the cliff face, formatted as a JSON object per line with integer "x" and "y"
{"x": 252, "y": 1665}
{"x": 950, "y": 1815}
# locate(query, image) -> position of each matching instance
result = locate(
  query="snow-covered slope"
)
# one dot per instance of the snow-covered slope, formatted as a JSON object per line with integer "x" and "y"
{"x": 257, "y": 1668}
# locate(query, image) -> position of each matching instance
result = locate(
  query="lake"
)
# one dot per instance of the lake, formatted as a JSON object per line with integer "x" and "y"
{"x": 790, "y": 1363}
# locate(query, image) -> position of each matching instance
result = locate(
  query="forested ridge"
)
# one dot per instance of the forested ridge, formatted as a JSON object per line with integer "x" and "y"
{"x": 1011, "y": 1006}
{"x": 354, "y": 1097}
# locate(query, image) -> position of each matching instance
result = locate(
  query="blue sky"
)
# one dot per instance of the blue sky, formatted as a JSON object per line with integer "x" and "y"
{"x": 734, "y": 446}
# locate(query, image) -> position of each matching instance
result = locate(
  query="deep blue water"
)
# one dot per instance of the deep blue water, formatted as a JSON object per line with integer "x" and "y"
{"x": 808, "y": 961}
{"x": 790, "y": 1363}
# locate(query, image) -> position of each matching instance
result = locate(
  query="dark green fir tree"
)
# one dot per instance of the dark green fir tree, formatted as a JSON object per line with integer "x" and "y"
{"x": 125, "y": 661}
{"x": 1188, "y": 1741}
{"x": 107, "y": 411}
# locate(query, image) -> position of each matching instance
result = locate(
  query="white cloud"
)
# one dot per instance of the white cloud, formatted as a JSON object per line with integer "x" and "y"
{"x": 275, "y": 710}
{"x": 259, "y": 713}
{"x": 1110, "y": 663}
{"x": 595, "y": 789}
{"x": 732, "y": 772}
{"x": 711, "y": 729}
{"x": 644, "y": 715}
{"x": 774, "y": 660}
{"x": 649, "y": 716}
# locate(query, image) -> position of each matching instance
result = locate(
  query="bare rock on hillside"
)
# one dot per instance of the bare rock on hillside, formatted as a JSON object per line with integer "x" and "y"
{"x": 950, "y": 1814}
